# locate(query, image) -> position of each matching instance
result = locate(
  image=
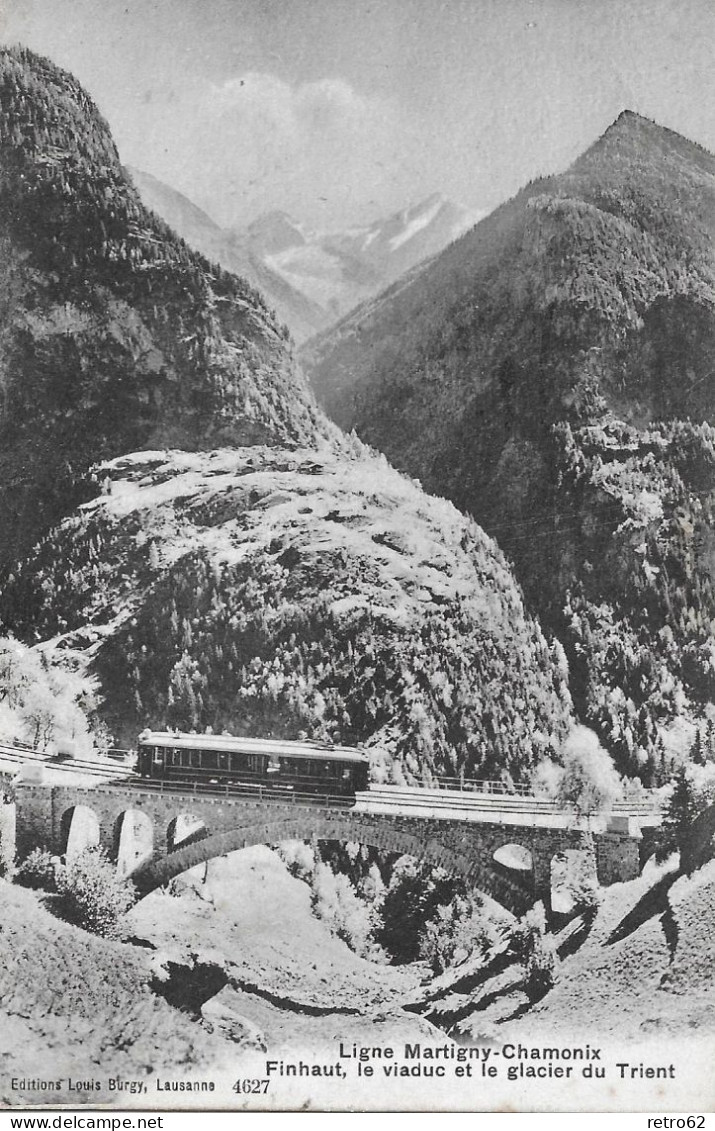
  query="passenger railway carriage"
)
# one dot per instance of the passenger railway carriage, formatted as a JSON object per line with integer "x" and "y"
{"x": 301, "y": 767}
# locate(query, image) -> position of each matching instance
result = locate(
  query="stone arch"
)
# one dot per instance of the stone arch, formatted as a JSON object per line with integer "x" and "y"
{"x": 79, "y": 829}
{"x": 184, "y": 828}
{"x": 513, "y": 863}
{"x": 515, "y": 857}
{"x": 133, "y": 841}
{"x": 508, "y": 890}
{"x": 571, "y": 869}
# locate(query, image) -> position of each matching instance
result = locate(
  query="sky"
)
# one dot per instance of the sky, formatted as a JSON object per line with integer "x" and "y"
{"x": 342, "y": 111}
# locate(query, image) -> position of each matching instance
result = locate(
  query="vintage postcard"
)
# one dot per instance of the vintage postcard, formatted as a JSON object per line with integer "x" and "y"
{"x": 357, "y": 559}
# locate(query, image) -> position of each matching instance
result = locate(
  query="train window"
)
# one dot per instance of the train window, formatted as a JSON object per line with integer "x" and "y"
{"x": 158, "y": 755}
{"x": 210, "y": 760}
{"x": 223, "y": 760}
{"x": 196, "y": 759}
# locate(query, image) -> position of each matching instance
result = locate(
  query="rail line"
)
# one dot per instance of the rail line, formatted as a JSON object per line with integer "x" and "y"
{"x": 504, "y": 802}
{"x": 454, "y": 794}
{"x": 18, "y": 755}
{"x": 499, "y": 807}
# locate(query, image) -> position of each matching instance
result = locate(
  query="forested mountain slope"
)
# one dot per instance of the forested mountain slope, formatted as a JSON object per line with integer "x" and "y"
{"x": 114, "y": 335}
{"x": 233, "y": 251}
{"x": 267, "y": 575}
{"x": 552, "y": 373}
{"x": 264, "y": 591}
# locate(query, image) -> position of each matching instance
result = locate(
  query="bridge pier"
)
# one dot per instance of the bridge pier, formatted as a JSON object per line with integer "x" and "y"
{"x": 36, "y": 825}
{"x": 617, "y": 855}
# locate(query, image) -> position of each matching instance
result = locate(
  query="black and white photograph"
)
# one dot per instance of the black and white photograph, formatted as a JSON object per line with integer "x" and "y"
{"x": 357, "y": 556}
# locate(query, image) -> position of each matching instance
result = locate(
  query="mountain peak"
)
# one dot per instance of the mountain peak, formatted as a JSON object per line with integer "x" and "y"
{"x": 629, "y": 125}
{"x": 275, "y": 231}
{"x": 629, "y": 121}
{"x": 632, "y": 132}
{"x": 628, "y": 116}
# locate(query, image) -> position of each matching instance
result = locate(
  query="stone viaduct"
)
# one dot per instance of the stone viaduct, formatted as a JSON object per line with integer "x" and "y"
{"x": 155, "y": 836}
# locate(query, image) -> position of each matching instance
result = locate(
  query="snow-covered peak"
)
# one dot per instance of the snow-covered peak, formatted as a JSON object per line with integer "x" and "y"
{"x": 276, "y": 231}
{"x": 417, "y": 219}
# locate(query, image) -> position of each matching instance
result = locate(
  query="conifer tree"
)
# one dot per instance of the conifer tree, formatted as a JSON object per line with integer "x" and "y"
{"x": 680, "y": 812}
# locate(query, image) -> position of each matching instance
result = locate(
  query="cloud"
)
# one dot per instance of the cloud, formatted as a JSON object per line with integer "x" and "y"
{"x": 257, "y": 142}
{"x": 260, "y": 97}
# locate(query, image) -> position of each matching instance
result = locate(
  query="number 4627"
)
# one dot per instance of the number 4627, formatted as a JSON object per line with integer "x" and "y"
{"x": 251, "y": 1087}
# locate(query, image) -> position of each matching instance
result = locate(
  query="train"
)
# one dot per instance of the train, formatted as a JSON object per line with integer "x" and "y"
{"x": 278, "y": 764}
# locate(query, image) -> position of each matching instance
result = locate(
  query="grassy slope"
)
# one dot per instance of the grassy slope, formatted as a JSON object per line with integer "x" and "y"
{"x": 80, "y": 1007}
{"x": 254, "y": 920}
{"x": 640, "y": 971}
{"x": 73, "y": 1004}
{"x": 646, "y": 967}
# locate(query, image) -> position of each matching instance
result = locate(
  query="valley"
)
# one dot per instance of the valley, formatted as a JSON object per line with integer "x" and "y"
{"x": 310, "y": 277}
{"x": 437, "y": 488}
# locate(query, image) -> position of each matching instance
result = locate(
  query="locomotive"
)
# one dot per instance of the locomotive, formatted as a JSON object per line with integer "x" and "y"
{"x": 220, "y": 759}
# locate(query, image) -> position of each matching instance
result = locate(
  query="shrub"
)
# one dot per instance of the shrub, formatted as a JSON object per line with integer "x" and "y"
{"x": 38, "y": 871}
{"x": 589, "y": 782}
{"x": 414, "y": 894}
{"x": 586, "y": 894}
{"x": 299, "y": 858}
{"x": 41, "y": 703}
{"x": 534, "y": 948}
{"x": 335, "y": 901}
{"x": 457, "y": 931}
{"x": 430, "y": 916}
{"x": 93, "y": 896}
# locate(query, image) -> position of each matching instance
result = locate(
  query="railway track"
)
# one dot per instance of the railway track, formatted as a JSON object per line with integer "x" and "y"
{"x": 18, "y": 756}
{"x": 378, "y": 797}
{"x": 488, "y": 802}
